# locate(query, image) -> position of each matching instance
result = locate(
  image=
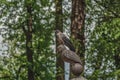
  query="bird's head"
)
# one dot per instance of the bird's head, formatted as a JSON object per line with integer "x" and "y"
{"x": 60, "y": 48}
{"x": 57, "y": 31}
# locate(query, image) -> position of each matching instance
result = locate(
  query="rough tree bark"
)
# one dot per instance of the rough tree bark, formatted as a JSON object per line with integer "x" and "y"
{"x": 77, "y": 26}
{"x": 59, "y": 26}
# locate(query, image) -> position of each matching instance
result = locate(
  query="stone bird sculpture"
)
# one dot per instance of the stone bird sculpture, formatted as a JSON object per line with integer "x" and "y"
{"x": 62, "y": 39}
{"x": 72, "y": 58}
{"x": 68, "y": 55}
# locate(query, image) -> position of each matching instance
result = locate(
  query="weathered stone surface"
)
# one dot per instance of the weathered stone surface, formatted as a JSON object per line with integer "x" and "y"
{"x": 77, "y": 69}
{"x": 79, "y": 78}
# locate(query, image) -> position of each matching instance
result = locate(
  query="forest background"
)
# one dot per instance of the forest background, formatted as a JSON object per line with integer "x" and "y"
{"x": 27, "y": 38}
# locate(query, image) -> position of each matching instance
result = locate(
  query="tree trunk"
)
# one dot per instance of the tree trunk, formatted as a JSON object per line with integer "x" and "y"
{"x": 117, "y": 64}
{"x": 29, "y": 51}
{"x": 59, "y": 26}
{"x": 77, "y": 26}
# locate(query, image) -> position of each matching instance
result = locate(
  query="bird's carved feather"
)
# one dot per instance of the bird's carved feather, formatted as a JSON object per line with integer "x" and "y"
{"x": 71, "y": 57}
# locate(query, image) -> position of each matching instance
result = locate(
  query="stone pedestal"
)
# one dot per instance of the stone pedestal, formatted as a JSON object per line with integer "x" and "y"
{"x": 79, "y": 78}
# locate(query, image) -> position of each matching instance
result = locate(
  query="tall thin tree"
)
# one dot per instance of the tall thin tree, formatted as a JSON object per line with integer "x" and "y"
{"x": 59, "y": 26}
{"x": 28, "y": 33}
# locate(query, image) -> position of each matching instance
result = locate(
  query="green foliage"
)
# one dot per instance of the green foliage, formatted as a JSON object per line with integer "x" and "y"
{"x": 14, "y": 16}
{"x": 103, "y": 44}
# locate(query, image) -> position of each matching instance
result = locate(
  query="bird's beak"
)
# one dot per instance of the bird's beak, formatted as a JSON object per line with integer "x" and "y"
{"x": 57, "y": 31}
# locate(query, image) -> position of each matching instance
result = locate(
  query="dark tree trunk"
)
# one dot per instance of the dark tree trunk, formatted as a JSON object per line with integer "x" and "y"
{"x": 59, "y": 26}
{"x": 77, "y": 26}
{"x": 117, "y": 64}
{"x": 29, "y": 51}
